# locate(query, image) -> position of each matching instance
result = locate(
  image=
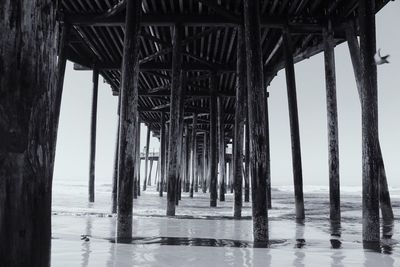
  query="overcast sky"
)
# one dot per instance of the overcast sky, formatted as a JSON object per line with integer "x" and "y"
{"x": 72, "y": 158}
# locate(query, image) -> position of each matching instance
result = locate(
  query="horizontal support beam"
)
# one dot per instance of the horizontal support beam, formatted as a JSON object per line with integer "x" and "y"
{"x": 167, "y": 93}
{"x": 152, "y": 20}
{"x": 194, "y": 20}
{"x": 187, "y": 109}
{"x": 156, "y": 66}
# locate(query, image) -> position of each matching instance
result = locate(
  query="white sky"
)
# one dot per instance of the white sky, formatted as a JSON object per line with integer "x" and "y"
{"x": 72, "y": 158}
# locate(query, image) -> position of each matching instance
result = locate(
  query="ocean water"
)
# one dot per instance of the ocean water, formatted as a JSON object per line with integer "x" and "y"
{"x": 199, "y": 235}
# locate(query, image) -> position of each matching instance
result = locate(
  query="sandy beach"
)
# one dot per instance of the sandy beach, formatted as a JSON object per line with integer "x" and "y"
{"x": 200, "y": 236}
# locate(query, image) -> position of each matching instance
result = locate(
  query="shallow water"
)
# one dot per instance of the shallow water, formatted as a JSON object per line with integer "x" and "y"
{"x": 201, "y": 236}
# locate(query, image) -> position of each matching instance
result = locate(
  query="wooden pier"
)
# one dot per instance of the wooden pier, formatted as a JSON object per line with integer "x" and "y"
{"x": 196, "y": 73}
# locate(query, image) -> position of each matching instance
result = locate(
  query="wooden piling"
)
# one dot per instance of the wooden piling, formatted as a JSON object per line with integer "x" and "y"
{"x": 213, "y": 141}
{"x": 193, "y": 155}
{"x": 221, "y": 149}
{"x": 333, "y": 131}
{"x": 28, "y": 127}
{"x": 197, "y": 170}
{"x": 257, "y": 106}
{"x": 128, "y": 127}
{"x": 115, "y": 175}
{"x": 162, "y": 154}
{"x": 294, "y": 125}
{"x": 167, "y": 133}
{"x": 146, "y": 159}
{"x": 61, "y": 65}
{"x": 247, "y": 158}
{"x": 384, "y": 195}
{"x": 151, "y": 168}
{"x": 231, "y": 177}
{"x": 136, "y": 178}
{"x": 92, "y": 160}
{"x": 205, "y": 165}
{"x": 156, "y": 178}
{"x": 369, "y": 115}
{"x": 237, "y": 151}
{"x": 187, "y": 161}
{"x": 175, "y": 120}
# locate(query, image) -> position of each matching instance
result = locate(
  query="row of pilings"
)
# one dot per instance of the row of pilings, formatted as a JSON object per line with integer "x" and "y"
{"x": 31, "y": 89}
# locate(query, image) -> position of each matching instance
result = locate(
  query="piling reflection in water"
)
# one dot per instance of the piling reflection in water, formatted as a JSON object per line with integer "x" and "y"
{"x": 300, "y": 241}
{"x": 200, "y": 242}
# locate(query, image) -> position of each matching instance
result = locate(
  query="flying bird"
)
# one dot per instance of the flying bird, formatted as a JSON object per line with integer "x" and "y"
{"x": 379, "y": 60}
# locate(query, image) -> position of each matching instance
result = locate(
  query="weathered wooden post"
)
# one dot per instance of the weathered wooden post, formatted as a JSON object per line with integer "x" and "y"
{"x": 29, "y": 111}
{"x": 136, "y": 177}
{"x": 151, "y": 168}
{"x": 187, "y": 164}
{"x": 175, "y": 119}
{"x": 115, "y": 175}
{"x": 213, "y": 141}
{"x": 61, "y": 65}
{"x": 156, "y": 178}
{"x": 146, "y": 159}
{"x": 193, "y": 155}
{"x": 128, "y": 115}
{"x": 200, "y": 170}
{"x": 269, "y": 189}
{"x": 197, "y": 170}
{"x": 221, "y": 148}
{"x": 384, "y": 195}
{"x": 162, "y": 154}
{"x": 369, "y": 115}
{"x": 93, "y": 126}
{"x": 138, "y": 161}
{"x": 237, "y": 148}
{"x": 205, "y": 165}
{"x": 167, "y": 134}
{"x": 333, "y": 131}
{"x": 258, "y": 108}
{"x": 294, "y": 125}
{"x": 247, "y": 157}
{"x": 114, "y": 193}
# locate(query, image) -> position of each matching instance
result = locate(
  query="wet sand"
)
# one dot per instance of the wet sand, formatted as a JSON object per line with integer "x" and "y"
{"x": 199, "y": 236}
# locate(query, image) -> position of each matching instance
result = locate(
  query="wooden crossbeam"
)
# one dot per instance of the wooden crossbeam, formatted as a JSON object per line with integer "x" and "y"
{"x": 221, "y": 10}
{"x": 168, "y": 49}
{"x": 194, "y": 20}
{"x": 188, "y": 109}
{"x": 156, "y": 66}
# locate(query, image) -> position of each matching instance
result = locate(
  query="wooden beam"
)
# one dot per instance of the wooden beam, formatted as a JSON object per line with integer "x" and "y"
{"x": 257, "y": 106}
{"x": 157, "y": 92}
{"x": 176, "y": 113}
{"x": 114, "y": 192}
{"x": 136, "y": 178}
{"x": 237, "y": 147}
{"x": 294, "y": 126}
{"x": 61, "y": 65}
{"x": 162, "y": 154}
{"x": 384, "y": 195}
{"x": 129, "y": 92}
{"x": 193, "y": 155}
{"x": 146, "y": 159}
{"x": 213, "y": 142}
{"x": 221, "y": 149}
{"x": 333, "y": 131}
{"x": 247, "y": 158}
{"x": 28, "y": 89}
{"x": 205, "y": 167}
{"x": 195, "y": 20}
{"x": 222, "y": 11}
{"x": 369, "y": 115}
{"x": 93, "y": 126}
{"x": 156, "y": 66}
